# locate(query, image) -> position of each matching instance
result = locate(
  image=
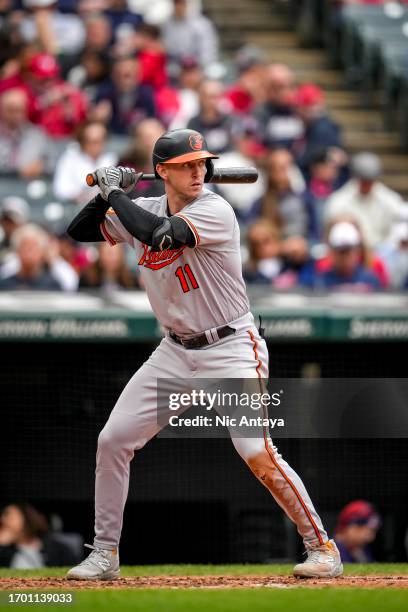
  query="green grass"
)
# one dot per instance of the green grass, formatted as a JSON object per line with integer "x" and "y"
{"x": 218, "y": 570}
{"x": 242, "y": 600}
{"x": 326, "y": 599}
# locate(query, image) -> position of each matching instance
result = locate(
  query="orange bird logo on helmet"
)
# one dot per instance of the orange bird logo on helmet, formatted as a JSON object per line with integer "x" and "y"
{"x": 196, "y": 142}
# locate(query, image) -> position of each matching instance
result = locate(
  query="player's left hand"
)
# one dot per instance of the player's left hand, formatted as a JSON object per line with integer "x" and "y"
{"x": 130, "y": 178}
{"x": 109, "y": 179}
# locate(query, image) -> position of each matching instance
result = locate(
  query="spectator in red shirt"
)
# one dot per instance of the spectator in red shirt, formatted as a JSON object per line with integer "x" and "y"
{"x": 153, "y": 71}
{"x": 152, "y": 56}
{"x": 248, "y": 91}
{"x": 57, "y": 106}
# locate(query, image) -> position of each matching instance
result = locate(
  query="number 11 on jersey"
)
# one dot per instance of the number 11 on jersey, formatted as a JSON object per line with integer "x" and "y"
{"x": 185, "y": 274}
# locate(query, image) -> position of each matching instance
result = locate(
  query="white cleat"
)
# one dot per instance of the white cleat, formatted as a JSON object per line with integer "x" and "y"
{"x": 99, "y": 565}
{"x": 321, "y": 562}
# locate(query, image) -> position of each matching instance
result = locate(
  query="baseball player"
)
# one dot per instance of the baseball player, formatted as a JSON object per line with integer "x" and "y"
{"x": 187, "y": 244}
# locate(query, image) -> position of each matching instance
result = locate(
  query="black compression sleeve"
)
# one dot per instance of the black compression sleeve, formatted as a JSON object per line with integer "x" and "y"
{"x": 142, "y": 224}
{"x": 85, "y": 226}
{"x": 139, "y": 222}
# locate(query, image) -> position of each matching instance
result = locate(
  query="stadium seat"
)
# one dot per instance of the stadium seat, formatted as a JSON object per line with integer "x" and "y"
{"x": 360, "y": 24}
{"x": 370, "y": 40}
{"x": 402, "y": 111}
{"x": 45, "y": 209}
{"x": 392, "y": 65}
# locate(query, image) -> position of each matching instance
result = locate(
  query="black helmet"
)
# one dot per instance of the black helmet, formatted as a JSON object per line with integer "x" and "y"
{"x": 178, "y": 146}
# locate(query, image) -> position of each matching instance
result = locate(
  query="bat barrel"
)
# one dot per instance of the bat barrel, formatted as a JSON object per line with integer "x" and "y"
{"x": 234, "y": 175}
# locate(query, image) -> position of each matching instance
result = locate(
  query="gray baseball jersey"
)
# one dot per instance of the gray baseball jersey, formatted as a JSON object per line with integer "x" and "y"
{"x": 191, "y": 289}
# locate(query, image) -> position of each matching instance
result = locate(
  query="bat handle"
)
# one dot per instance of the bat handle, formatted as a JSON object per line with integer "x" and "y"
{"x": 91, "y": 179}
{"x": 126, "y": 181}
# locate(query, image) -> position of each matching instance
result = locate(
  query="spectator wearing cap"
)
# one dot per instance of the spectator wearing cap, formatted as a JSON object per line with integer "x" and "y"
{"x": 55, "y": 105}
{"x": 319, "y": 130}
{"x": 188, "y": 33}
{"x": 189, "y": 79}
{"x": 122, "y": 101}
{"x": 345, "y": 270}
{"x": 23, "y": 146}
{"x": 370, "y": 259}
{"x": 365, "y": 198}
{"x": 79, "y": 159}
{"x": 357, "y": 527}
{"x": 282, "y": 202}
{"x": 213, "y": 121}
{"x": 281, "y": 126}
{"x": 30, "y": 243}
{"x": 246, "y": 151}
{"x": 248, "y": 91}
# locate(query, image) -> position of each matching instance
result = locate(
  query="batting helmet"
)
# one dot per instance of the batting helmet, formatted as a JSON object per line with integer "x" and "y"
{"x": 179, "y": 146}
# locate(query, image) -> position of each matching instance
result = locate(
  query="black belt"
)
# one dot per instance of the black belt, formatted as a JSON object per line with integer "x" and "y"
{"x": 201, "y": 340}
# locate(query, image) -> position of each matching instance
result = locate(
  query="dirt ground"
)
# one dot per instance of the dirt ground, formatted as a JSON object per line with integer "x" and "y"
{"x": 212, "y": 582}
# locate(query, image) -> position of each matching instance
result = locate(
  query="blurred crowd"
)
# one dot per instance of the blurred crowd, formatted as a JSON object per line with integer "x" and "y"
{"x": 356, "y": 529}
{"x": 90, "y": 83}
{"x": 28, "y": 539}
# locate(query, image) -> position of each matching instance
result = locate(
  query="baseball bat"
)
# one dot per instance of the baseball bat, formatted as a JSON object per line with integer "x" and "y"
{"x": 220, "y": 176}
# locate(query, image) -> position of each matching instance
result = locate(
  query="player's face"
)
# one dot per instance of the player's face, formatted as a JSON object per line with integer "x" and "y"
{"x": 185, "y": 179}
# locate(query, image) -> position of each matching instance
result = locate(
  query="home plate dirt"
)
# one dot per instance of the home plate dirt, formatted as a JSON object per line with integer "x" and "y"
{"x": 206, "y": 582}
